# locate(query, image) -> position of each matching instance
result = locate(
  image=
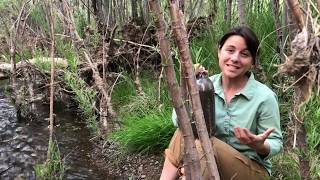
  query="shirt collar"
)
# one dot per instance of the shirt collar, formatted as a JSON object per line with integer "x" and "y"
{"x": 247, "y": 91}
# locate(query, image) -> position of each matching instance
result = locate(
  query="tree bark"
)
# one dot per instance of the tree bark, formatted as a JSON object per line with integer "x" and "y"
{"x": 181, "y": 39}
{"x": 228, "y": 12}
{"x": 241, "y": 11}
{"x": 52, "y": 24}
{"x": 192, "y": 164}
{"x": 303, "y": 87}
{"x": 13, "y": 46}
{"x": 276, "y": 14}
{"x": 88, "y": 12}
{"x": 134, "y": 9}
{"x": 297, "y": 13}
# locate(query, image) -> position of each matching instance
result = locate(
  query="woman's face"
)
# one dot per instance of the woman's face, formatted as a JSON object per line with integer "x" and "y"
{"x": 234, "y": 57}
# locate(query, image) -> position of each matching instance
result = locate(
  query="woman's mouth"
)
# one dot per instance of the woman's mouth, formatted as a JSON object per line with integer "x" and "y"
{"x": 233, "y": 66}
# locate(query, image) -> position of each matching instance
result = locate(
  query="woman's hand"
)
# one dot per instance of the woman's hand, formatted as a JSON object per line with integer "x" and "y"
{"x": 199, "y": 69}
{"x": 257, "y": 142}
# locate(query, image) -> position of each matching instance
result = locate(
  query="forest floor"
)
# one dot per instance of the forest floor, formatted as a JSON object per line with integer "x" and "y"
{"x": 119, "y": 165}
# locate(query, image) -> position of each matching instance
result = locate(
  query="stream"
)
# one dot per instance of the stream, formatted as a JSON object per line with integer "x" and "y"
{"x": 24, "y": 144}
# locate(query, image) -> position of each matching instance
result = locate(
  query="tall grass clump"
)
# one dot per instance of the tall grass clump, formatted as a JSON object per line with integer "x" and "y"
{"x": 80, "y": 21}
{"x": 54, "y": 167}
{"x": 146, "y": 120}
{"x": 285, "y": 166}
{"x": 37, "y": 19}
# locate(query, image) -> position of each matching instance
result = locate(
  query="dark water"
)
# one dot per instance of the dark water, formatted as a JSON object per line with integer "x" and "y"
{"x": 24, "y": 144}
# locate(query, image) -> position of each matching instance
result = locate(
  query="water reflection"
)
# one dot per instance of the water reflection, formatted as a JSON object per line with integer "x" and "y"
{"x": 23, "y": 144}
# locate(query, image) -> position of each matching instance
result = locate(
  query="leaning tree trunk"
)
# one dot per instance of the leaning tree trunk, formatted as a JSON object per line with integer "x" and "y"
{"x": 241, "y": 11}
{"x": 192, "y": 164}
{"x": 181, "y": 39}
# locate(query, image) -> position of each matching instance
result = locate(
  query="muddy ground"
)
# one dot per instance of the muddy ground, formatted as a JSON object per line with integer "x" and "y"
{"x": 109, "y": 157}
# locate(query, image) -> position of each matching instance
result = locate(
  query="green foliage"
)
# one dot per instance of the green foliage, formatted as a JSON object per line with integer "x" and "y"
{"x": 85, "y": 96}
{"x": 66, "y": 50}
{"x": 311, "y": 115}
{"x": 123, "y": 91}
{"x": 40, "y": 63}
{"x": 54, "y": 167}
{"x": 149, "y": 133}
{"x": 38, "y": 20}
{"x": 285, "y": 166}
{"x": 80, "y": 21}
{"x": 147, "y": 125}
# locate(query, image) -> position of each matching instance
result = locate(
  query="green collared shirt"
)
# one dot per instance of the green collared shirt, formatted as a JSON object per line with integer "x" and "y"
{"x": 255, "y": 108}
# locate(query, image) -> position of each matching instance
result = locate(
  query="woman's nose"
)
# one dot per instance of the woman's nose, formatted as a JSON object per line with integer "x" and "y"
{"x": 235, "y": 57}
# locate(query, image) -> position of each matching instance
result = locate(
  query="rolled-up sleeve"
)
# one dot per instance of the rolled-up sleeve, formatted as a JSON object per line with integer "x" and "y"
{"x": 269, "y": 117}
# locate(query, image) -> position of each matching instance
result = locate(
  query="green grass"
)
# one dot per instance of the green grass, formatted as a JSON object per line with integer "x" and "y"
{"x": 146, "y": 120}
{"x": 146, "y": 134}
{"x": 38, "y": 20}
{"x": 285, "y": 167}
{"x": 54, "y": 167}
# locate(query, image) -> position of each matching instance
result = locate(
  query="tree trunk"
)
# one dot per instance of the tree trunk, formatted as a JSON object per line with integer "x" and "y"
{"x": 14, "y": 35}
{"x": 303, "y": 86}
{"x": 276, "y": 14}
{"x": 228, "y": 12}
{"x": 181, "y": 39}
{"x": 318, "y": 5}
{"x": 52, "y": 24}
{"x": 192, "y": 163}
{"x": 286, "y": 25}
{"x": 241, "y": 11}
{"x": 296, "y": 11}
{"x": 134, "y": 10}
{"x": 88, "y": 12}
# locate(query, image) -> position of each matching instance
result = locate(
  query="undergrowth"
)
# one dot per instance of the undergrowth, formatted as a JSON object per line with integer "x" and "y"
{"x": 146, "y": 120}
{"x": 53, "y": 167}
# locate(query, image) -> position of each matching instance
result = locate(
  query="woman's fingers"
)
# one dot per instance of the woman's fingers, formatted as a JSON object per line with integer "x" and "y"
{"x": 267, "y": 133}
{"x": 246, "y": 137}
{"x": 242, "y": 135}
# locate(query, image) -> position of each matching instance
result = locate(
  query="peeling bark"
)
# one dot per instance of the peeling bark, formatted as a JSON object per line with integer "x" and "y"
{"x": 192, "y": 164}
{"x": 180, "y": 36}
{"x": 241, "y": 10}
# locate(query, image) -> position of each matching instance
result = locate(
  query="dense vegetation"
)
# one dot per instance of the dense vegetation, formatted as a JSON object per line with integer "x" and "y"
{"x": 136, "y": 85}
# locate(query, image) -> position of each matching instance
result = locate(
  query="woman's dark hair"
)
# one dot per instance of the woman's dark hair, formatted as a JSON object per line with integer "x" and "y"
{"x": 249, "y": 36}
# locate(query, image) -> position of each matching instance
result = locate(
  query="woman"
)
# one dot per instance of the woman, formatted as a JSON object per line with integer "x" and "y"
{"x": 247, "y": 116}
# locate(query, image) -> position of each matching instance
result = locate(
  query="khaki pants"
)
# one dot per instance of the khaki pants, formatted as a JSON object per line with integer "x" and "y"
{"x": 231, "y": 163}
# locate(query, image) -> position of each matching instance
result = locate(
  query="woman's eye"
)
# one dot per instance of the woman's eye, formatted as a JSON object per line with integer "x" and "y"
{"x": 245, "y": 54}
{"x": 230, "y": 50}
